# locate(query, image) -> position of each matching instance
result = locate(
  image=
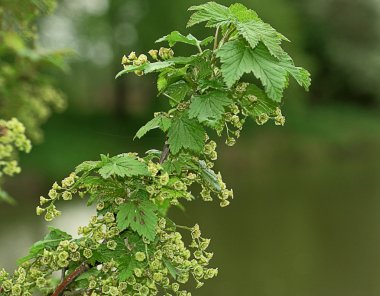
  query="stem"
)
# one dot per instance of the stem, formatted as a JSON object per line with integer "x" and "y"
{"x": 165, "y": 153}
{"x": 63, "y": 274}
{"x": 70, "y": 278}
{"x": 216, "y": 38}
{"x": 199, "y": 48}
{"x": 226, "y": 36}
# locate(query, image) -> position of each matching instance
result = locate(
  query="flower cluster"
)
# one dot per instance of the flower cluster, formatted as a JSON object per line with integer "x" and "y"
{"x": 12, "y": 139}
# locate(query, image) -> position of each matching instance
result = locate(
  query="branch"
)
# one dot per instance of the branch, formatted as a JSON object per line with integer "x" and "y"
{"x": 165, "y": 153}
{"x": 70, "y": 278}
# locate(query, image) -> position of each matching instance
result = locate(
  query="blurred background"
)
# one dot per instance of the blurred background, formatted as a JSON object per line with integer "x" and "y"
{"x": 305, "y": 220}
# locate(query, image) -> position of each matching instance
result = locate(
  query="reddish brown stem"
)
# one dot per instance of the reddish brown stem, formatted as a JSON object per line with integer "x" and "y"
{"x": 70, "y": 278}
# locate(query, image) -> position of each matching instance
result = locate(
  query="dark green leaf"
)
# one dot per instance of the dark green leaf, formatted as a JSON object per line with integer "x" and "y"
{"x": 186, "y": 133}
{"x": 140, "y": 215}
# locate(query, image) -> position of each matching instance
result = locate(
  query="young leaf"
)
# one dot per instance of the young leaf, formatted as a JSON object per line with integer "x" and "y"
{"x": 140, "y": 215}
{"x": 256, "y": 31}
{"x": 162, "y": 122}
{"x": 209, "y": 106}
{"x": 241, "y": 13}
{"x": 186, "y": 133}
{"x": 176, "y": 36}
{"x": 238, "y": 57}
{"x": 209, "y": 176}
{"x": 122, "y": 165}
{"x": 212, "y": 13}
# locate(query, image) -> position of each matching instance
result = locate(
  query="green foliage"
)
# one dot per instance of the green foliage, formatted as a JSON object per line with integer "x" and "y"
{"x": 122, "y": 166}
{"x": 131, "y": 246}
{"x": 187, "y": 134}
{"x": 139, "y": 214}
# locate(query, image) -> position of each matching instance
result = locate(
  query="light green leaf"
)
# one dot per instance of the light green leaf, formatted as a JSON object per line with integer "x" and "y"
{"x": 176, "y": 36}
{"x": 256, "y": 31}
{"x": 123, "y": 165}
{"x": 140, "y": 215}
{"x": 301, "y": 75}
{"x": 162, "y": 122}
{"x": 186, "y": 133}
{"x": 209, "y": 176}
{"x": 153, "y": 67}
{"x": 129, "y": 69}
{"x": 209, "y": 106}
{"x": 212, "y": 13}
{"x": 242, "y": 13}
{"x": 238, "y": 58}
{"x": 174, "y": 272}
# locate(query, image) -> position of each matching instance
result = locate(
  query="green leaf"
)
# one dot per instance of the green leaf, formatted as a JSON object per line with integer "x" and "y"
{"x": 174, "y": 272}
{"x": 123, "y": 165}
{"x": 126, "y": 266}
{"x": 139, "y": 214}
{"x": 212, "y": 13}
{"x": 176, "y": 36}
{"x": 129, "y": 69}
{"x": 86, "y": 166}
{"x": 209, "y": 106}
{"x": 301, "y": 75}
{"x": 51, "y": 241}
{"x": 263, "y": 103}
{"x": 257, "y": 31}
{"x": 162, "y": 122}
{"x": 209, "y": 176}
{"x": 153, "y": 67}
{"x": 102, "y": 254}
{"x": 186, "y": 133}
{"x": 176, "y": 92}
{"x": 238, "y": 58}
{"x": 241, "y": 13}
{"x": 169, "y": 76}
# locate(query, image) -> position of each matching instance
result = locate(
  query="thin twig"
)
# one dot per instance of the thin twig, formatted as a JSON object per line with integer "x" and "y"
{"x": 70, "y": 278}
{"x": 216, "y": 38}
{"x": 165, "y": 153}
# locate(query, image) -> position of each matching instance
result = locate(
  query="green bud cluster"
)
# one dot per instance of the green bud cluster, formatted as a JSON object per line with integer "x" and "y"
{"x": 12, "y": 139}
